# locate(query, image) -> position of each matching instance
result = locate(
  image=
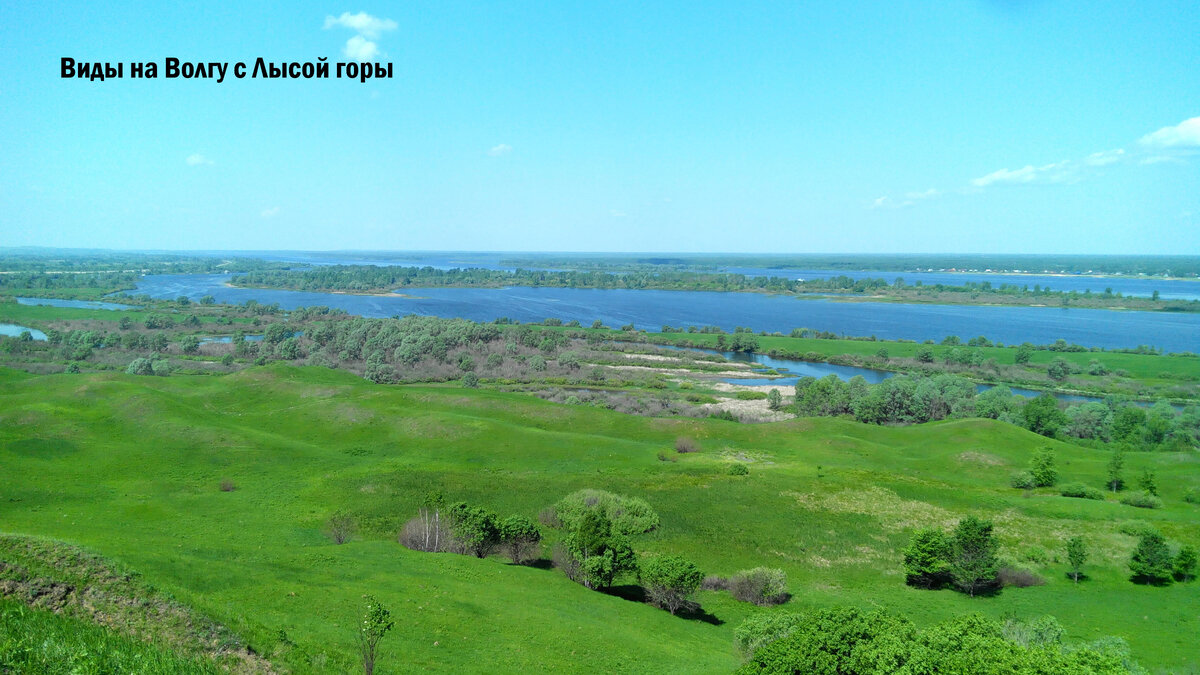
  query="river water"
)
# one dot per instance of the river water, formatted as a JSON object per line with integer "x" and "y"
{"x": 650, "y": 310}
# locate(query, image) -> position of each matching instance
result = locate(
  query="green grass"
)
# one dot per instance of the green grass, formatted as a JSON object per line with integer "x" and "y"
{"x": 40, "y": 642}
{"x": 131, "y": 467}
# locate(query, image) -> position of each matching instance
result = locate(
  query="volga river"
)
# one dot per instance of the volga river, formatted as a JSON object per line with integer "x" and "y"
{"x": 650, "y": 310}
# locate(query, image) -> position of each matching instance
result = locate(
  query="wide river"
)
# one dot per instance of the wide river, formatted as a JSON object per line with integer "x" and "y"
{"x": 650, "y": 310}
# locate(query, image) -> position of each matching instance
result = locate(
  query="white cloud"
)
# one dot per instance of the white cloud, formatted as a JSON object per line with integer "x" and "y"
{"x": 500, "y": 150}
{"x": 363, "y": 46}
{"x": 886, "y": 202}
{"x": 197, "y": 159}
{"x": 270, "y": 213}
{"x": 360, "y": 49}
{"x": 927, "y": 194}
{"x": 1186, "y": 134}
{"x": 1104, "y": 158}
{"x": 1058, "y": 172}
{"x": 362, "y": 23}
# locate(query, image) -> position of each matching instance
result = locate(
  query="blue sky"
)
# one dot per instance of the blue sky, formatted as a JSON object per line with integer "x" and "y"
{"x": 1020, "y": 126}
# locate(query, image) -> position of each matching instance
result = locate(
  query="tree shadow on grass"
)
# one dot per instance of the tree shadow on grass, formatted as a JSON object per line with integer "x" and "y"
{"x": 691, "y": 611}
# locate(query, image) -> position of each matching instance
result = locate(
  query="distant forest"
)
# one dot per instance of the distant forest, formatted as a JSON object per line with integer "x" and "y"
{"x": 1149, "y": 265}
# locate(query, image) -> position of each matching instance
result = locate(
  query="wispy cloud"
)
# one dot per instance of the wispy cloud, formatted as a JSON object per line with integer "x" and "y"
{"x": 500, "y": 150}
{"x": 1058, "y": 172}
{"x": 1174, "y": 144}
{"x": 369, "y": 29}
{"x": 269, "y": 213}
{"x": 197, "y": 159}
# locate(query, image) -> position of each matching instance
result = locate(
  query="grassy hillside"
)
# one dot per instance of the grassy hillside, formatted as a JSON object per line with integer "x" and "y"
{"x": 131, "y": 467}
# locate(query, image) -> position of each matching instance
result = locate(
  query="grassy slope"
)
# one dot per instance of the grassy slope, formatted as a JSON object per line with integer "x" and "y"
{"x": 130, "y": 467}
{"x": 40, "y": 642}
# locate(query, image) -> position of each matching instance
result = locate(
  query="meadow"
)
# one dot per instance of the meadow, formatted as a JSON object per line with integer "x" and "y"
{"x": 217, "y": 491}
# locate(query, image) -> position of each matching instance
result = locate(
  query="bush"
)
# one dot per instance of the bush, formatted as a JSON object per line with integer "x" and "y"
{"x": 227, "y": 486}
{"x": 1019, "y": 578}
{"x": 738, "y": 469}
{"x": 762, "y": 586}
{"x": 629, "y": 515}
{"x": 1135, "y": 528}
{"x": 1042, "y": 468}
{"x": 1142, "y": 500}
{"x": 1022, "y": 480}
{"x": 340, "y": 528}
{"x": 139, "y": 366}
{"x": 683, "y": 444}
{"x": 713, "y": 582}
{"x": 763, "y": 629}
{"x": 1191, "y": 496}
{"x": 1081, "y": 491}
{"x": 470, "y": 381}
{"x": 670, "y": 581}
{"x": 520, "y": 539}
{"x": 475, "y": 527}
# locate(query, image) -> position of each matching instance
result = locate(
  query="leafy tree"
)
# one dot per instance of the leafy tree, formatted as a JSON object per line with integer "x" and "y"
{"x": 207, "y": 300}
{"x": 927, "y": 558}
{"x": 1089, "y": 420}
{"x": 601, "y": 554}
{"x": 671, "y": 580}
{"x": 470, "y": 381}
{"x": 139, "y": 366}
{"x": 1023, "y": 355}
{"x": 774, "y": 399}
{"x": 925, "y": 354}
{"x": 376, "y": 623}
{"x": 1116, "y": 463}
{"x": 1151, "y": 561}
{"x": 289, "y": 349}
{"x": 1058, "y": 369}
{"x": 1127, "y": 424}
{"x": 1042, "y": 468}
{"x": 519, "y": 537}
{"x": 973, "y": 562}
{"x": 1184, "y": 565}
{"x": 475, "y": 528}
{"x": 1076, "y": 555}
{"x": 1042, "y": 416}
{"x": 1149, "y": 481}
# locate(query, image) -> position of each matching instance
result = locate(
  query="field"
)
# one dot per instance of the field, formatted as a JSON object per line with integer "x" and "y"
{"x": 131, "y": 468}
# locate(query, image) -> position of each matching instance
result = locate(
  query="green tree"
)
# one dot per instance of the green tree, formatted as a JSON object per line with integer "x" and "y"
{"x": 1149, "y": 481}
{"x": 519, "y": 537}
{"x": 1042, "y": 468}
{"x": 670, "y": 581}
{"x": 1151, "y": 561}
{"x": 376, "y": 622}
{"x": 1042, "y": 416}
{"x": 470, "y": 381}
{"x": 927, "y": 558}
{"x": 973, "y": 561}
{"x": 602, "y": 554}
{"x": 1184, "y": 565}
{"x": 1059, "y": 369}
{"x": 1076, "y": 555}
{"x": 1023, "y": 355}
{"x": 925, "y": 354}
{"x": 774, "y": 400}
{"x": 1116, "y": 463}
{"x": 475, "y": 528}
